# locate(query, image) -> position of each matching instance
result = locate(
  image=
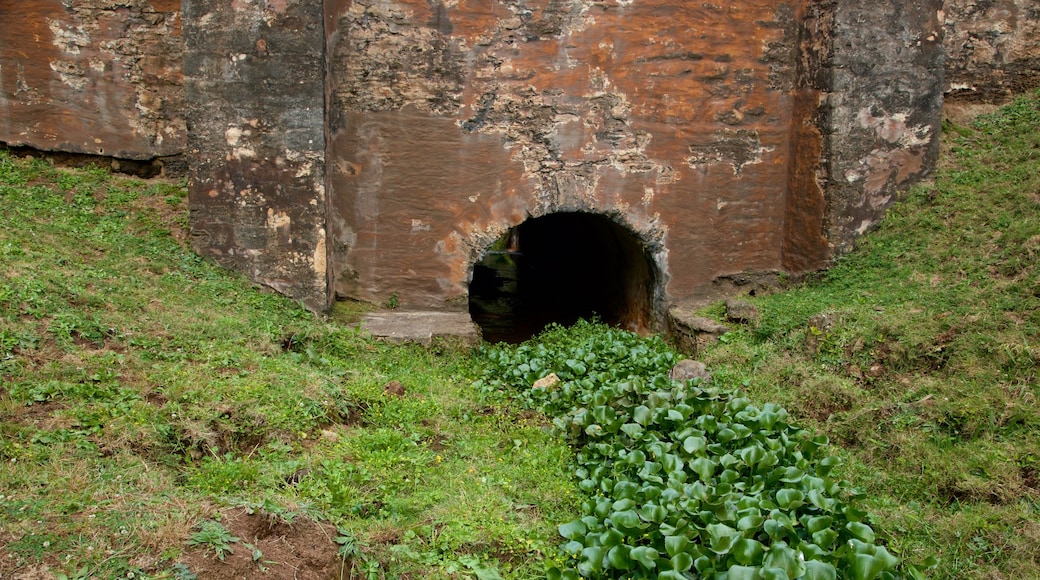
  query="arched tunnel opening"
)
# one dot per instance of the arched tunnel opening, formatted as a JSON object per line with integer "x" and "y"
{"x": 560, "y": 268}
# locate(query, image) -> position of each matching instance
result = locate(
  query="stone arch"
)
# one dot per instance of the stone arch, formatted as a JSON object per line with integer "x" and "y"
{"x": 561, "y": 267}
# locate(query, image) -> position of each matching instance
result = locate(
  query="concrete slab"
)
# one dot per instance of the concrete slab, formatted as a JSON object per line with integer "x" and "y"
{"x": 422, "y": 327}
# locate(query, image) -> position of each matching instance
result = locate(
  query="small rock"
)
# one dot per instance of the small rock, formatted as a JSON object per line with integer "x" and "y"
{"x": 821, "y": 322}
{"x": 688, "y": 369}
{"x": 741, "y": 311}
{"x": 297, "y": 476}
{"x": 706, "y": 325}
{"x": 547, "y": 382}
{"x": 329, "y": 435}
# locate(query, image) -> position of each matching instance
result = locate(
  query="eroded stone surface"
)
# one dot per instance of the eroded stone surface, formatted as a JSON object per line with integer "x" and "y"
{"x": 883, "y": 109}
{"x": 422, "y": 327}
{"x": 453, "y": 122}
{"x": 255, "y": 88}
{"x": 992, "y": 49}
{"x": 750, "y": 135}
{"x": 92, "y": 76}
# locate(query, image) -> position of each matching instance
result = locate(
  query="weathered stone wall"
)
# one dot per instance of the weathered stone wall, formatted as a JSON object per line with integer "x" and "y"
{"x": 883, "y": 110}
{"x": 100, "y": 77}
{"x": 256, "y": 118}
{"x": 451, "y": 123}
{"x": 752, "y": 135}
{"x": 992, "y": 49}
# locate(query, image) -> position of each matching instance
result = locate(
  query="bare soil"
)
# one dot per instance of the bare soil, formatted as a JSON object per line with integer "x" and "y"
{"x": 301, "y": 549}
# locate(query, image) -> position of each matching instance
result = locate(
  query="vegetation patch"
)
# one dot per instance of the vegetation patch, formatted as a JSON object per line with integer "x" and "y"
{"x": 684, "y": 477}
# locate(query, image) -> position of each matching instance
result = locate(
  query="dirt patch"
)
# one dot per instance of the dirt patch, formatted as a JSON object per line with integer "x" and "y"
{"x": 395, "y": 389}
{"x": 301, "y": 549}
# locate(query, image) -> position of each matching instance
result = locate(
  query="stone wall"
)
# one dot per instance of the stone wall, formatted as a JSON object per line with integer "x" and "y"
{"x": 101, "y": 77}
{"x": 451, "y": 123}
{"x": 752, "y": 135}
{"x": 256, "y": 117}
{"x": 882, "y": 109}
{"x": 992, "y": 49}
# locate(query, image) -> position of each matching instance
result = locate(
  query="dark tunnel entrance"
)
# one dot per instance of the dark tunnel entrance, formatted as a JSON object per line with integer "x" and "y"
{"x": 560, "y": 268}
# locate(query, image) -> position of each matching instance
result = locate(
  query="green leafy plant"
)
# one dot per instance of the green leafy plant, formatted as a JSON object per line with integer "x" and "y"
{"x": 685, "y": 478}
{"x": 258, "y": 557}
{"x": 213, "y": 535}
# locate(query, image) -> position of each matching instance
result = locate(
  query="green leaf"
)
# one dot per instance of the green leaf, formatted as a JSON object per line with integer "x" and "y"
{"x": 790, "y": 498}
{"x": 752, "y": 455}
{"x": 722, "y": 537}
{"x": 817, "y": 570}
{"x": 725, "y": 435}
{"x": 824, "y": 467}
{"x": 774, "y": 529}
{"x": 645, "y": 555}
{"x": 672, "y": 463}
{"x": 695, "y": 443}
{"x": 618, "y": 558}
{"x": 682, "y": 562}
{"x": 743, "y": 573}
{"x": 625, "y": 489}
{"x": 890, "y": 560}
{"x": 825, "y": 538}
{"x": 703, "y": 467}
{"x": 861, "y": 531}
{"x": 633, "y": 430}
{"x": 592, "y": 558}
{"x": 750, "y": 521}
{"x": 653, "y": 513}
{"x": 623, "y": 504}
{"x": 815, "y": 524}
{"x": 573, "y": 530}
{"x": 748, "y": 551}
{"x": 774, "y": 574}
{"x": 636, "y": 457}
{"x": 792, "y": 475}
{"x": 781, "y": 556}
{"x": 627, "y": 520}
{"x": 611, "y": 538}
{"x": 866, "y": 567}
{"x": 675, "y": 544}
{"x": 641, "y": 415}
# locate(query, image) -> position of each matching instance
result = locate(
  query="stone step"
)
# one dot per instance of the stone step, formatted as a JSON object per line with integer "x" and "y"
{"x": 422, "y": 327}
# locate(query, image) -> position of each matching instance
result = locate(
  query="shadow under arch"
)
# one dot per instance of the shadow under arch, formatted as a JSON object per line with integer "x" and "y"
{"x": 559, "y": 268}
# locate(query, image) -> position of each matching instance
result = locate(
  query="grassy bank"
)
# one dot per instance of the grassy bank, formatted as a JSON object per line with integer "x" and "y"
{"x": 918, "y": 354}
{"x": 146, "y": 392}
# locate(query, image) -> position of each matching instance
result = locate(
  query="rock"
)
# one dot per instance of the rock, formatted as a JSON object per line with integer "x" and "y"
{"x": 817, "y": 327}
{"x": 547, "y": 382}
{"x": 422, "y": 327}
{"x": 693, "y": 333}
{"x": 741, "y": 311}
{"x": 706, "y": 325}
{"x": 688, "y": 370}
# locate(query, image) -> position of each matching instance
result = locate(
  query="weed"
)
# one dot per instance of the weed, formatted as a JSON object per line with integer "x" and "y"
{"x": 214, "y": 536}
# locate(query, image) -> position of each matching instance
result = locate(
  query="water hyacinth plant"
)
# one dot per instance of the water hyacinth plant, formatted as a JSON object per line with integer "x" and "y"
{"x": 683, "y": 479}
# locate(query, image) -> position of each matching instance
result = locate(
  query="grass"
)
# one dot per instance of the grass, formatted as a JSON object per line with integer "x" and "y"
{"x": 154, "y": 390}
{"x": 144, "y": 391}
